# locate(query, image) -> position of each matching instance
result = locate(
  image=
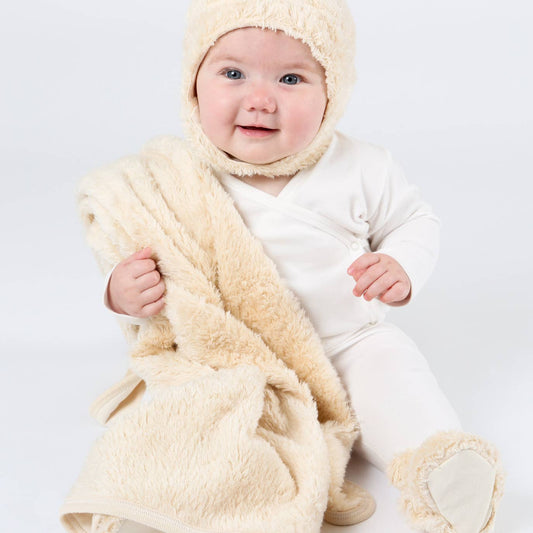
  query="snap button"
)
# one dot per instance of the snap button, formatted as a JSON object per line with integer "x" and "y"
{"x": 354, "y": 246}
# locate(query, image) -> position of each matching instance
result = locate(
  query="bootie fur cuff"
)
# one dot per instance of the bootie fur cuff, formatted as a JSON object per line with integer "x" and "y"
{"x": 410, "y": 470}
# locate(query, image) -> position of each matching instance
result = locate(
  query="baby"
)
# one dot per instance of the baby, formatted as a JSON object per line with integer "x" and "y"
{"x": 348, "y": 234}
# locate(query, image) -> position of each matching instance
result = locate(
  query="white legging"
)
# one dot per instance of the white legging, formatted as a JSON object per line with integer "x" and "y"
{"x": 395, "y": 395}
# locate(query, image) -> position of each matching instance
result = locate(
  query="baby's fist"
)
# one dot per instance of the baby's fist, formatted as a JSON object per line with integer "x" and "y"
{"x": 136, "y": 287}
{"x": 380, "y": 276}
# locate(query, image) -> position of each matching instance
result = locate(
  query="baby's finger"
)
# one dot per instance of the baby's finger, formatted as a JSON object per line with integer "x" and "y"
{"x": 147, "y": 280}
{"x": 141, "y": 267}
{"x": 153, "y": 308}
{"x": 139, "y": 254}
{"x": 363, "y": 262}
{"x": 368, "y": 277}
{"x": 382, "y": 284}
{"x": 396, "y": 293}
{"x": 152, "y": 294}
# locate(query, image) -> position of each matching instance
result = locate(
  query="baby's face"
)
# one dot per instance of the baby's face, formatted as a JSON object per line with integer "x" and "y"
{"x": 255, "y": 77}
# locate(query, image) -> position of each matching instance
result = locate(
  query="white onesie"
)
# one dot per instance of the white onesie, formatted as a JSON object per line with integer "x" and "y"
{"x": 355, "y": 200}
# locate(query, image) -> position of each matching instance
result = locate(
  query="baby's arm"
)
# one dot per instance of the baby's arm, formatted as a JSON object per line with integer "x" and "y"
{"x": 134, "y": 288}
{"x": 403, "y": 233}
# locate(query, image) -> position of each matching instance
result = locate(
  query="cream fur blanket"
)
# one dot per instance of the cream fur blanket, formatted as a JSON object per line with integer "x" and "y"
{"x": 247, "y": 426}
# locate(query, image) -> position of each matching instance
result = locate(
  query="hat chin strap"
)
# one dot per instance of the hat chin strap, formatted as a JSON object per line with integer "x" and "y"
{"x": 237, "y": 160}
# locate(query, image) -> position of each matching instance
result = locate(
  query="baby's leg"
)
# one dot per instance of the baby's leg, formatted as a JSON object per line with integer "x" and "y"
{"x": 449, "y": 480}
{"x": 111, "y": 524}
{"x": 395, "y": 395}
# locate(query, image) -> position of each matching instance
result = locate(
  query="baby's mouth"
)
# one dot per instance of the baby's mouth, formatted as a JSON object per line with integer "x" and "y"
{"x": 256, "y": 131}
{"x": 260, "y": 128}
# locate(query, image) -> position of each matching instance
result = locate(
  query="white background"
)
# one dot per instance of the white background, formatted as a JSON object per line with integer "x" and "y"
{"x": 446, "y": 86}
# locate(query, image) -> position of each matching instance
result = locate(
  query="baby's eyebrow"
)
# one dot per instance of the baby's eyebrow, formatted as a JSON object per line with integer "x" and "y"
{"x": 217, "y": 59}
{"x": 299, "y": 64}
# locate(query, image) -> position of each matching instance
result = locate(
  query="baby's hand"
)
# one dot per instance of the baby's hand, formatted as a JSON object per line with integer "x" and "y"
{"x": 379, "y": 275}
{"x": 136, "y": 287}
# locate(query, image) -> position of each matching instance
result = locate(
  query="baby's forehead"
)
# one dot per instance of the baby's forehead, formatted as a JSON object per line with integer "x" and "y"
{"x": 274, "y": 45}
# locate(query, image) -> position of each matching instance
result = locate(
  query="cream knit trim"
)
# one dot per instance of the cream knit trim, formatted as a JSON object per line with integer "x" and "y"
{"x": 409, "y": 471}
{"x": 326, "y": 26}
{"x": 102, "y": 523}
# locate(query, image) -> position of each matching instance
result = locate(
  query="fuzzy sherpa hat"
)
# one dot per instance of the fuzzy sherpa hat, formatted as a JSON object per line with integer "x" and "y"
{"x": 326, "y": 26}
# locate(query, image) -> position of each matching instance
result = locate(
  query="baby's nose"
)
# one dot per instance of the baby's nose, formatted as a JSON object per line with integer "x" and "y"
{"x": 260, "y": 98}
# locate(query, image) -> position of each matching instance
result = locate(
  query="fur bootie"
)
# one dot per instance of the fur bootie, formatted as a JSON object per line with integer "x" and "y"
{"x": 352, "y": 505}
{"x": 452, "y": 483}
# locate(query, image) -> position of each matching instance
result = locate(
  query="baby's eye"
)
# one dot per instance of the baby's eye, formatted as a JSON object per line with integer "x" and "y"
{"x": 233, "y": 74}
{"x": 291, "y": 79}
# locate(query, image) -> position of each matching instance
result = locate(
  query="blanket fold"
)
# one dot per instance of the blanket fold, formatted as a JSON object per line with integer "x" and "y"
{"x": 246, "y": 426}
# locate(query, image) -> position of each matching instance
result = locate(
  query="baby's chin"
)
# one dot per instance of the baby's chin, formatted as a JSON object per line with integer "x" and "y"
{"x": 255, "y": 161}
